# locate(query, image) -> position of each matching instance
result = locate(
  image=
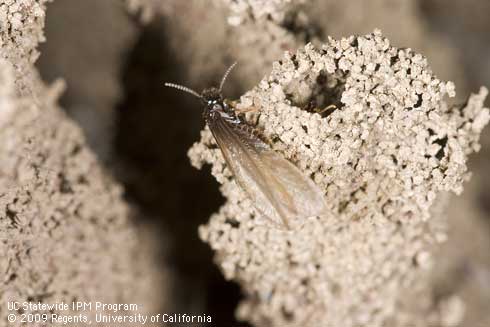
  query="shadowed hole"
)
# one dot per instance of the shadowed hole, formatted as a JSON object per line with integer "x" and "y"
{"x": 155, "y": 129}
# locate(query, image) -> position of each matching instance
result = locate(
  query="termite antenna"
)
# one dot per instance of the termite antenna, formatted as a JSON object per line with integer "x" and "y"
{"x": 226, "y": 75}
{"x": 183, "y": 88}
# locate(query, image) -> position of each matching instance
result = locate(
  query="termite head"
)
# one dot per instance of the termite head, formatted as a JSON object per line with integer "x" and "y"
{"x": 211, "y": 97}
{"x": 214, "y": 106}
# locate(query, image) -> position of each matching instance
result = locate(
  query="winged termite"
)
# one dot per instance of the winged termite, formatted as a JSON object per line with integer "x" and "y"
{"x": 278, "y": 189}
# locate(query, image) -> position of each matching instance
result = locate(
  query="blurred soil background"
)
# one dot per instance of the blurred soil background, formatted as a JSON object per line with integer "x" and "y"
{"x": 114, "y": 66}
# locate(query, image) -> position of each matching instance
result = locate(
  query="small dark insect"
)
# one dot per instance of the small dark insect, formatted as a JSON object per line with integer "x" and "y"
{"x": 278, "y": 189}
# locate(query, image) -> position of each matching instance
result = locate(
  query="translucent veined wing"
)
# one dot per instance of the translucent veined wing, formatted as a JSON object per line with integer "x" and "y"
{"x": 278, "y": 189}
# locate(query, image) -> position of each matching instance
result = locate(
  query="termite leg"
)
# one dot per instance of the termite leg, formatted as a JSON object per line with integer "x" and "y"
{"x": 245, "y": 110}
{"x": 330, "y": 107}
{"x": 233, "y": 104}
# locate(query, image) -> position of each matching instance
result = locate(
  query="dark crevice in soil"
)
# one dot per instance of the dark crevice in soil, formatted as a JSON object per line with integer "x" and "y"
{"x": 155, "y": 128}
{"x": 325, "y": 96}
